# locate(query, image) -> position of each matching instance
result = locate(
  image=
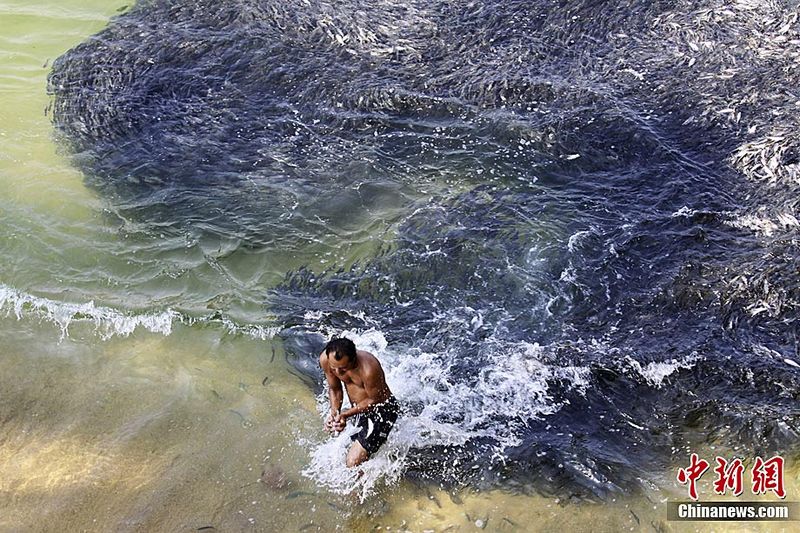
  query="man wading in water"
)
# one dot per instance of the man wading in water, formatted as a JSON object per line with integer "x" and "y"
{"x": 373, "y": 406}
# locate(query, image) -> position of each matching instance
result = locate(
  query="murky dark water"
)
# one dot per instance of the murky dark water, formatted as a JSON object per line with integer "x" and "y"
{"x": 573, "y": 222}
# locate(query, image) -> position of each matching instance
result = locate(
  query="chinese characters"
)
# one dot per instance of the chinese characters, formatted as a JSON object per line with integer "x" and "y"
{"x": 765, "y": 475}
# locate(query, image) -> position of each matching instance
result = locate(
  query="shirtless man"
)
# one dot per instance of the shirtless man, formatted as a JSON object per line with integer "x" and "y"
{"x": 373, "y": 407}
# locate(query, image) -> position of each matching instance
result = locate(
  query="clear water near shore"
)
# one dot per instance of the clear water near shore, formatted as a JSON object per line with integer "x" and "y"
{"x": 163, "y": 433}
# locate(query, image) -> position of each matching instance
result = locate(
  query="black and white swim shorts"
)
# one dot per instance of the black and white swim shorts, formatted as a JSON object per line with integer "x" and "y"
{"x": 375, "y": 424}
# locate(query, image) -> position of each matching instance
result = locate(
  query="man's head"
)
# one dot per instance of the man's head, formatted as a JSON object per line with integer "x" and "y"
{"x": 341, "y": 354}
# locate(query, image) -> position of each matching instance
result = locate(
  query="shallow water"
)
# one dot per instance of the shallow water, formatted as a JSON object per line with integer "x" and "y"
{"x": 173, "y": 433}
{"x": 570, "y": 288}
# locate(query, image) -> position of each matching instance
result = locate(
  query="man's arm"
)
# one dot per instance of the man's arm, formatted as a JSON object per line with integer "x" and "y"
{"x": 374, "y": 385}
{"x": 335, "y": 393}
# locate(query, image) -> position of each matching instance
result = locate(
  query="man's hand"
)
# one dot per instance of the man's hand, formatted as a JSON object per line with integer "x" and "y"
{"x": 339, "y": 423}
{"x": 332, "y": 416}
{"x": 335, "y": 422}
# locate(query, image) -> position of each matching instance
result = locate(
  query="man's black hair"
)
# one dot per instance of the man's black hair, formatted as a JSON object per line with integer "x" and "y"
{"x": 341, "y": 347}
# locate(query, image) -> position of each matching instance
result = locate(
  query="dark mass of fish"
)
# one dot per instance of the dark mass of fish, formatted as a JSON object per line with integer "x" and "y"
{"x": 627, "y": 189}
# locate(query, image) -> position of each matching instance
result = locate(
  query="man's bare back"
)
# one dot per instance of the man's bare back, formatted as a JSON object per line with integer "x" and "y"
{"x": 372, "y": 404}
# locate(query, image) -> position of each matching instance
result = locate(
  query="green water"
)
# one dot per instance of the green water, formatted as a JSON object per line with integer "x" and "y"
{"x": 199, "y": 428}
{"x": 62, "y": 242}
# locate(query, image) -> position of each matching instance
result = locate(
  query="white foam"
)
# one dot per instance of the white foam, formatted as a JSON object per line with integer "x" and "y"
{"x": 578, "y": 376}
{"x": 313, "y": 315}
{"x": 576, "y": 238}
{"x": 251, "y": 330}
{"x": 509, "y": 389}
{"x": 684, "y": 212}
{"x": 327, "y": 465}
{"x": 655, "y": 372}
{"x": 109, "y": 322}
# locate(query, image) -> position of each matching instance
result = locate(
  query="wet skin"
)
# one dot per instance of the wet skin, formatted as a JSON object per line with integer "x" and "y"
{"x": 364, "y": 380}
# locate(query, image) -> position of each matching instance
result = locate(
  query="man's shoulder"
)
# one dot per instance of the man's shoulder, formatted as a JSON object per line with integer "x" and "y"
{"x": 367, "y": 357}
{"x": 370, "y": 363}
